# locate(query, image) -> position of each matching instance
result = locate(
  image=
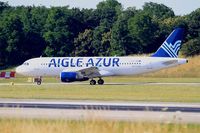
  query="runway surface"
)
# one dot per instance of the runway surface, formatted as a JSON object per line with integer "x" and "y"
{"x": 113, "y": 106}
{"x": 126, "y": 111}
{"x": 81, "y": 83}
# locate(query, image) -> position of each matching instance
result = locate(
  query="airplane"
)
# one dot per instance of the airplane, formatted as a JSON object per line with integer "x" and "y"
{"x": 71, "y": 69}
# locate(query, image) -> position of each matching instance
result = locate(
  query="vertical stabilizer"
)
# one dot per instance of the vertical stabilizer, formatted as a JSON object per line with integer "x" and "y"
{"x": 171, "y": 46}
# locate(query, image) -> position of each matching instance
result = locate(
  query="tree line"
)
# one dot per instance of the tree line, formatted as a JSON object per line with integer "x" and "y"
{"x": 108, "y": 30}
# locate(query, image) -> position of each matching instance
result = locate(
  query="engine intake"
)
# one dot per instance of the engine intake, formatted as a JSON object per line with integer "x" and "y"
{"x": 72, "y": 76}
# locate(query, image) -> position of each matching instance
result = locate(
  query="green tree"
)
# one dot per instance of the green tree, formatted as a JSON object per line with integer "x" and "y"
{"x": 99, "y": 33}
{"x": 33, "y": 19}
{"x": 194, "y": 24}
{"x": 166, "y": 20}
{"x": 158, "y": 11}
{"x": 13, "y": 30}
{"x": 108, "y": 11}
{"x": 57, "y": 34}
{"x": 3, "y": 45}
{"x": 122, "y": 43}
{"x": 75, "y": 22}
{"x": 83, "y": 44}
{"x": 105, "y": 44}
{"x": 144, "y": 29}
{"x": 192, "y": 47}
{"x": 3, "y": 6}
{"x": 91, "y": 18}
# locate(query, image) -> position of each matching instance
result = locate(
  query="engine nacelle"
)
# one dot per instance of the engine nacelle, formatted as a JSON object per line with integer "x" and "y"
{"x": 72, "y": 76}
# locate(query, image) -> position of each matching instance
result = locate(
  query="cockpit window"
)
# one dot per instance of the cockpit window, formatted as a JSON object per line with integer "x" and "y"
{"x": 26, "y": 63}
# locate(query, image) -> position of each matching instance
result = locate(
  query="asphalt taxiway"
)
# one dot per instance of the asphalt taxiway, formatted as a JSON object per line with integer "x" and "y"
{"x": 110, "y": 83}
{"x": 108, "y": 110}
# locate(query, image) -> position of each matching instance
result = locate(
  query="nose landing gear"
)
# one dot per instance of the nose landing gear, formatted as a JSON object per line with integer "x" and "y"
{"x": 38, "y": 80}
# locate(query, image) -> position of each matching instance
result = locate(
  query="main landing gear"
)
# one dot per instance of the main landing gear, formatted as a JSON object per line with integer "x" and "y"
{"x": 100, "y": 82}
{"x": 38, "y": 80}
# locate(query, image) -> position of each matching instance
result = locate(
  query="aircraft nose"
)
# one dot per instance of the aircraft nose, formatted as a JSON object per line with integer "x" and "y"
{"x": 19, "y": 70}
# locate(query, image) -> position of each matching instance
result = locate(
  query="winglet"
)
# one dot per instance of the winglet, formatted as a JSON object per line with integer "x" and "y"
{"x": 171, "y": 46}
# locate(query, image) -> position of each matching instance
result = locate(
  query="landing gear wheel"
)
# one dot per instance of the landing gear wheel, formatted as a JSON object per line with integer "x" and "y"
{"x": 92, "y": 82}
{"x": 100, "y": 81}
{"x": 39, "y": 82}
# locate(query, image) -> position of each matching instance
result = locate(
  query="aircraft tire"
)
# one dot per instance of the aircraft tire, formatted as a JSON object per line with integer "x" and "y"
{"x": 39, "y": 82}
{"x": 92, "y": 82}
{"x": 100, "y": 81}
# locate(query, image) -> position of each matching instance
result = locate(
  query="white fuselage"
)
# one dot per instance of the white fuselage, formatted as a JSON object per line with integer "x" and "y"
{"x": 108, "y": 66}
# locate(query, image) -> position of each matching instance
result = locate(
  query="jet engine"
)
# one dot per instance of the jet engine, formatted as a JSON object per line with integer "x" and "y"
{"x": 72, "y": 76}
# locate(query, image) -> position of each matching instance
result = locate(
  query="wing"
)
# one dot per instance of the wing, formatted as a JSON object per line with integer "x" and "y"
{"x": 91, "y": 72}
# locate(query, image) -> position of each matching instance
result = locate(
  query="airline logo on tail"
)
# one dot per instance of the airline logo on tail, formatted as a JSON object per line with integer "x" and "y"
{"x": 171, "y": 46}
{"x": 172, "y": 49}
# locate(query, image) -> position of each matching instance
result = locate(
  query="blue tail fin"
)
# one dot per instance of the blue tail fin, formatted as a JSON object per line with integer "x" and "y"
{"x": 171, "y": 46}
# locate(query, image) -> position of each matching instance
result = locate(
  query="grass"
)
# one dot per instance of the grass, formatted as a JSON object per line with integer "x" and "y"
{"x": 91, "y": 126}
{"x": 137, "y": 92}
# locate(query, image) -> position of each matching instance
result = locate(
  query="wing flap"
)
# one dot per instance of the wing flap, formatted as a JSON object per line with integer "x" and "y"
{"x": 90, "y": 72}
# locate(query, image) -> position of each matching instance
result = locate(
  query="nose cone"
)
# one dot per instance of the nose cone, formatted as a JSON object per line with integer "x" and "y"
{"x": 20, "y": 70}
